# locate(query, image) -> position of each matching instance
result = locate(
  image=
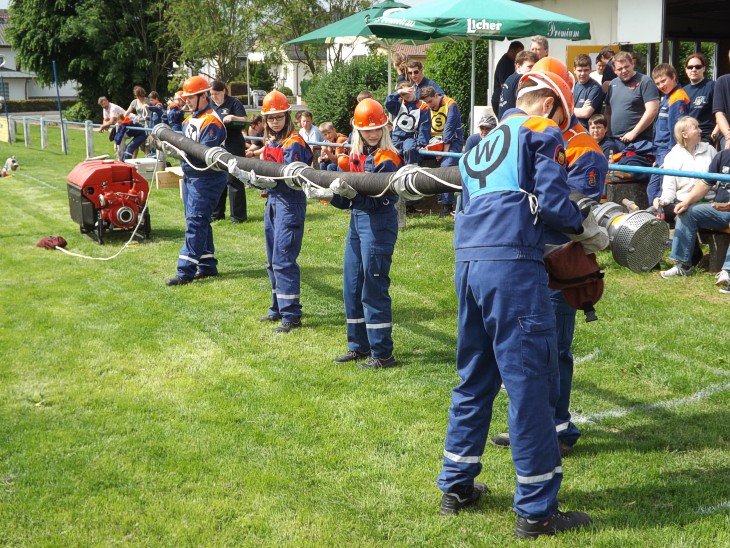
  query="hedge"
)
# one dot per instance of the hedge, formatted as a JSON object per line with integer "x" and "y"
{"x": 38, "y": 105}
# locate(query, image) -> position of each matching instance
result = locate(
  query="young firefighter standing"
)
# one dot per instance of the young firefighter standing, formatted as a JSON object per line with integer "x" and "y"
{"x": 514, "y": 185}
{"x": 370, "y": 241}
{"x": 202, "y": 187}
{"x": 587, "y": 167}
{"x": 284, "y": 217}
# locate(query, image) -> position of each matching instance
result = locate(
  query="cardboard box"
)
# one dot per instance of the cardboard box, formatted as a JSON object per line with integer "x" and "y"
{"x": 167, "y": 179}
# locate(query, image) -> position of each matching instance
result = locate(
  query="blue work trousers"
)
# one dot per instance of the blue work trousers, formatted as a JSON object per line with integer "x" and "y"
{"x": 685, "y": 231}
{"x": 283, "y": 231}
{"x": 654, "y": 188}
{"x": 407, "y": 147}
{"x": 137, "y": 136}
{"x": 506, "y": 334}
{"x": 368, "y": 257}
{"x": 200, "y": 195}
{"x": 565, "y": 327}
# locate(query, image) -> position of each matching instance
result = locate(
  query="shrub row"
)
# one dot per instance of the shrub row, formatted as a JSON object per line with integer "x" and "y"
{"x": 37, "y": 105}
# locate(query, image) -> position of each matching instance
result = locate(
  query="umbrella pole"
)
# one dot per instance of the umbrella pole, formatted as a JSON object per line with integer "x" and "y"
{"x": 473, "y": 84}
{"x": 390, "y": 64}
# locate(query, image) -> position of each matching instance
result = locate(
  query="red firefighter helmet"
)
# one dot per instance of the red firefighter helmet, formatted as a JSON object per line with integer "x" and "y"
{"x": 550, "y": 80}
{"x": 275, "y": 101}
{"x": 195, "y": 85}
{"x": 369, "y": 114}
{"x": 556, "y": 66}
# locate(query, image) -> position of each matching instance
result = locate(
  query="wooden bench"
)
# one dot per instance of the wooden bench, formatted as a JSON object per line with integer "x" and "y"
{"x": 718, "y": 241}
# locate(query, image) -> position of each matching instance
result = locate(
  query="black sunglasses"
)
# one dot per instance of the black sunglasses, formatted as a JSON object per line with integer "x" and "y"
{"x": 695, "y": 67}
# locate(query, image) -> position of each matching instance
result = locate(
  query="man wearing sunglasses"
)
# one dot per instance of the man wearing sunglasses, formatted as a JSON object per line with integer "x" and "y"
{"x": 700, "y": 91}
{"x": 414, "y": 71}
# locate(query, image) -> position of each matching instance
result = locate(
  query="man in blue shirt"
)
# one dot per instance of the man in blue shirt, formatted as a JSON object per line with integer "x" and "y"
{"x": 587, "y": 93}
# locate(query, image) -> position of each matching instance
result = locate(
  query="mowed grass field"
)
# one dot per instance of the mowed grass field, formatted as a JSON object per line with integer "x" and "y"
{"x": 136, "y": 414}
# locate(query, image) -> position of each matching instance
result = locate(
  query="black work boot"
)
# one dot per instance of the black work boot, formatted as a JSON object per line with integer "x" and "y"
{"x": 351, "y": 356}
{"x": 460, "y": 497}
{"x": 558, "y": 522}
{"x": 285, "y": 327}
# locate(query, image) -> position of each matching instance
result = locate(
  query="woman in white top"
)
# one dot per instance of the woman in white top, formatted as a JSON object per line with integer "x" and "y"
{"x": 689, "y": 154}
{"x": 139, "y": 113}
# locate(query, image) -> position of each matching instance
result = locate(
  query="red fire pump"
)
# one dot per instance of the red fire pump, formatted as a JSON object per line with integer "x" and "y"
{"x": 104, "y": 195}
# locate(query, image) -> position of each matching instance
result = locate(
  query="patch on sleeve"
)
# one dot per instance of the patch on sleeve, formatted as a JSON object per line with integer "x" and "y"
{"x": 560, "y": 157}
{"x": 592, "y": 177}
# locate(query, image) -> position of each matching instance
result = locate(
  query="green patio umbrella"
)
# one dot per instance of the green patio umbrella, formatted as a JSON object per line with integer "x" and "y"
{"x": 476, "y": 20}
{"x": 350, "y": 30}
{"x": 354, "y": 30}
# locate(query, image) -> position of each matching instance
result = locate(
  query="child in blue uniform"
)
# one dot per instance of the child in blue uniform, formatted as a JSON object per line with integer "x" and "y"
{"x": 370, "y": 242}
{"x": 514, "y": 185}
{"x": 411, "y": 122}
{"x": 174, "y": 114}
{"x": 284, "y": 217}
{"x": 672, "y": 107}
{"x": 201, "y": 187}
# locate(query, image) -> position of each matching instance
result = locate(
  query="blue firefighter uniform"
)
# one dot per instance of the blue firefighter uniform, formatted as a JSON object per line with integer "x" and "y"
{"x": 587, "y": 168}
{"x": 672, "y": 107}
{"x": 201, "y": 191}
{"x": 368, "y": 256}
{"x": 284, "y": 228}
{"x": 411, "y": 126}
{"x": 446, "y": 123}
{"x": 514, "y": 184}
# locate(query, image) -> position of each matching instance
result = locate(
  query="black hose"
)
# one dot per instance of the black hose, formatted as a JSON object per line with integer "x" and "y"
{"x": 368, "y": 184}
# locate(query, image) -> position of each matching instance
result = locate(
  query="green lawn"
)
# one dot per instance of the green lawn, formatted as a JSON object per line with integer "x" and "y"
{"x": 136, "y": 414}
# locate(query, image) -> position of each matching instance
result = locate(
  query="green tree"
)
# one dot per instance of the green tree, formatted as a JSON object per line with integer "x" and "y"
{"x": 284, "y": 21}
{"x": 449, "y": 65}
{"x": 332, "y": 96}
{"x": 217, "y": 31}
{"x": 107, "y": 47}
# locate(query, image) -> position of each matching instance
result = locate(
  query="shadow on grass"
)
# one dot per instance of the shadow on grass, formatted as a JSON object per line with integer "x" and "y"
{"x": 679, "y": 498}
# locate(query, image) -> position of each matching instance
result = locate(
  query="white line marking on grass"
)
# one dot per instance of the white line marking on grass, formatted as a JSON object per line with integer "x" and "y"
{"x": 49, "y": 185}
{"x": 622, "y": 412}
{"x": 586, "y": 358}
{"x": 714, "y": 509}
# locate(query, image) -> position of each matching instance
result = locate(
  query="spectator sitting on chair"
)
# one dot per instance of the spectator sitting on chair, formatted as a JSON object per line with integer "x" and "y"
{"x": 598, "y": 128}
{"x": 689, "y": 154}
{"x": 692, "y": 216}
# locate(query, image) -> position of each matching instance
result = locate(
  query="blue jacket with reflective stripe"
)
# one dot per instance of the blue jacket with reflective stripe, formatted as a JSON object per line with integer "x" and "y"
{"x": 522, "y": 157}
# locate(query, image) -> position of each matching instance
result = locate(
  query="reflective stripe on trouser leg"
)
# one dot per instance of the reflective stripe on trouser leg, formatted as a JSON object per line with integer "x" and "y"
{"x": 378, "y": 233}
{"x": 565, "y": 328}
{"x": 200, "y": 195}
{"x": 284, "y": 227}
{"x": 352, "y": 281}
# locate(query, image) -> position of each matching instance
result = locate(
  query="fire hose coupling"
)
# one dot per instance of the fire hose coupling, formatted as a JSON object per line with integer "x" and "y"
{"x": 212, "y": 155}
{"x": 402, "y": 182}
{"x": 291, "y": 174}
{"x": 157, "y": 129}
